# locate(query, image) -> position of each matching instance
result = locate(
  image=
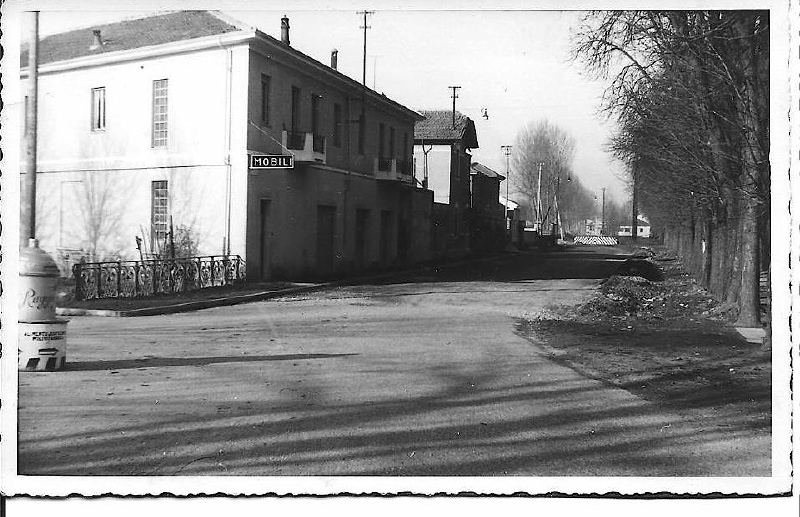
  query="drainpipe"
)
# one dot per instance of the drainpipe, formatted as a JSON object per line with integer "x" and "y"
{"x": 227, "y": 150}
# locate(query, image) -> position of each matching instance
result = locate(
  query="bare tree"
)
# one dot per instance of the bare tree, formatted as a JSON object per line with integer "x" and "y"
{"x": 100, "y": 209}
{"x": 543, "y": 175}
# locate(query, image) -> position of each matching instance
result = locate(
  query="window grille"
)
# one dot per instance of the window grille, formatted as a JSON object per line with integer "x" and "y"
{"x": 159, "y": 113}
{"x": 159, "y": 218}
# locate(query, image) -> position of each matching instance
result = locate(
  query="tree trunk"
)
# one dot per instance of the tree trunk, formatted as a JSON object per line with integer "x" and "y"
{"x": 707, "y": 265}
{"x": 749, "y": 307}
{"x": 734, "y": 259}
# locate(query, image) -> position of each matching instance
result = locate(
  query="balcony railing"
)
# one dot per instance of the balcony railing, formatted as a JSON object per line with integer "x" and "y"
{"x": 319, "y": 144}
{"x": 385, "y": 164}
{"x": 295, "y": 140}
{"x": 306, "y": 147}
{"x": 134, "y": 279}
{"x": 404, "y": 167}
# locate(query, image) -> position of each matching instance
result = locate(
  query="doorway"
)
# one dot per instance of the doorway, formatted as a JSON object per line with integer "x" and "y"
{"x": 326, "y": 226}
{"x": 263, "y": 239}
{"x": 362, "y": 227}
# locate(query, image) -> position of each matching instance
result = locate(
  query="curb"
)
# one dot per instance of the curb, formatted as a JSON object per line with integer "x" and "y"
{"x": 185, "y": 306}
{"x": 255, "y": 297}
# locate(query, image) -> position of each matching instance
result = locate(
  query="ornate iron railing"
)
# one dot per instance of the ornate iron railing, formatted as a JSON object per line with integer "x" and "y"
{"x": 135, "y": 279}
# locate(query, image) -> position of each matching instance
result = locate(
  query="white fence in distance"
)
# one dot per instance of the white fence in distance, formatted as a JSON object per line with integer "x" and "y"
{"x": 596, "y": 240}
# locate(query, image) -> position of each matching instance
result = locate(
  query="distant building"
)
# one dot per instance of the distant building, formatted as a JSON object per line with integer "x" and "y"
{"x": 150, "y": 124}
{"x": 487, "y": 218}
{"x": 642, "y": 229}
{"x": 593, "y": 227}
{"x": 442, "y": 144}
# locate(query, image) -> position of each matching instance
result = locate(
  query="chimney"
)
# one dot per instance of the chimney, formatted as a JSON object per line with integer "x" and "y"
{"x": 334, "y": 58}
{"x": 98, "y": 40}
{"x": 285, "y": 30}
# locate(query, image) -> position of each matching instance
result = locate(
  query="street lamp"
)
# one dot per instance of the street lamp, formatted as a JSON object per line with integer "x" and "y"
{"x": 603, "y": 223}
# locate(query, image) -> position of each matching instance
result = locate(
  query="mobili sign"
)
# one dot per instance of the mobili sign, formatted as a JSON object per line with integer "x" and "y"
{"x": 271, "y": 161}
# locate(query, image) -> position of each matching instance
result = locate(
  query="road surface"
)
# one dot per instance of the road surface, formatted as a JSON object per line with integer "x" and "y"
{"x": 423, "y": 375}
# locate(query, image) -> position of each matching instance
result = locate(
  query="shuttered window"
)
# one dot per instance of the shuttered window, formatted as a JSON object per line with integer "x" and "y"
{"x": 98, "y": 109}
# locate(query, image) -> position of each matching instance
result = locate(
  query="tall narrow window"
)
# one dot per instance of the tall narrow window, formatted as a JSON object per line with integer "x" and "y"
{"x": 405, "y": 163}
{"x": 266, "y": 83}
{"x": 98, "y": 109}
{"x": 391, "y": 143}
{"x": 159, "y": 215}
{"x": 295, "y": 108}
{"x": 316, "y": 101}
{"x": 362, "y": 129}
{"x": 159, "y": 113}
{"x": 337, "y": 125}
{"x": 381, "y": 140}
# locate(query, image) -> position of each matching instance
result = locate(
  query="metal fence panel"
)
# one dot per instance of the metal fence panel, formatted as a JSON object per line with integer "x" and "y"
{"x": 136, "y": 279}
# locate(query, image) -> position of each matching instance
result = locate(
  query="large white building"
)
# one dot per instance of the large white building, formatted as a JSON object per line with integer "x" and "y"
{"x": 149, "y": 124}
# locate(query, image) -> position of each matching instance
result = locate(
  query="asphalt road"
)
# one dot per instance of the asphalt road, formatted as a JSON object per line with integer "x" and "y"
{"x": 423, "y": 375}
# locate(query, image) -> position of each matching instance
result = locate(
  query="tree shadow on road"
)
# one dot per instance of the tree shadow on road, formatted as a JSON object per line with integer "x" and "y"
{"x": 153, "y": 362}
{"x": 476, "y": 425}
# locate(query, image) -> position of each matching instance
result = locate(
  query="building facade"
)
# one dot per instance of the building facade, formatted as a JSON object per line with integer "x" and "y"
{"x": 147, "y": 128}
{"x": 486, "y": 215}
{"x": 442, "y": 143}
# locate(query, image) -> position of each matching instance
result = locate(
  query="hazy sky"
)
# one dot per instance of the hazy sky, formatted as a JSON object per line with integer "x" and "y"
{"x": 515, "y": 64}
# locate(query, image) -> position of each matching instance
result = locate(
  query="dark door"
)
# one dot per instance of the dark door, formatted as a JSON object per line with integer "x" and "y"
{"x": 264, "y": 255}
{"x": 362, "y": 227}
{"x": 386, "y": 236}
{"x": 326, "y": 219}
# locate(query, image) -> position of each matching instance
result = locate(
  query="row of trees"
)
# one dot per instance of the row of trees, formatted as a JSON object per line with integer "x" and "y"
{"x": 690, "y": 91}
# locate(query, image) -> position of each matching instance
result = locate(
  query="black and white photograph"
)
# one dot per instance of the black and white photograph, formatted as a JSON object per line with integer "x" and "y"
{"x": 307, "y": 249}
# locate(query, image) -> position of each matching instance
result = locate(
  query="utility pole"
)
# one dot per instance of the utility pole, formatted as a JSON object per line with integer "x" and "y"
{"x": 28, "y": 198}
{"x": 539, "y": 200}
{"x": 365, "y": 27}
{"x": 455, "y": 96}
{"x": 507, "y": 151}
{"x": 603, "y": 223}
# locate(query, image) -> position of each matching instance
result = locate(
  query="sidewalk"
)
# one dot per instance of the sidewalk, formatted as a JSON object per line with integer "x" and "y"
{"x": 270, "y": 290}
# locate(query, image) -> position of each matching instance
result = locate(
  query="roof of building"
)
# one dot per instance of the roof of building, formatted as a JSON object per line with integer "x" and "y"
{"x": 438, "y": 127}
{"x": 131, "y": 34}
{"x": 512, "y": 205}
{"x": 479, "y": 168}
{"x": 169, "y": 27}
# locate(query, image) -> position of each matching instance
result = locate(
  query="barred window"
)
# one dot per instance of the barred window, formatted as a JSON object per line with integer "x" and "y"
{"x": 337, "y": 125}
{"x": 98, "y": 109}
{"x": 159, "y": 113}
{"x": 266, "y": 85}
{"x": 159, "y": 214}
{"x": 362, "y": 129}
